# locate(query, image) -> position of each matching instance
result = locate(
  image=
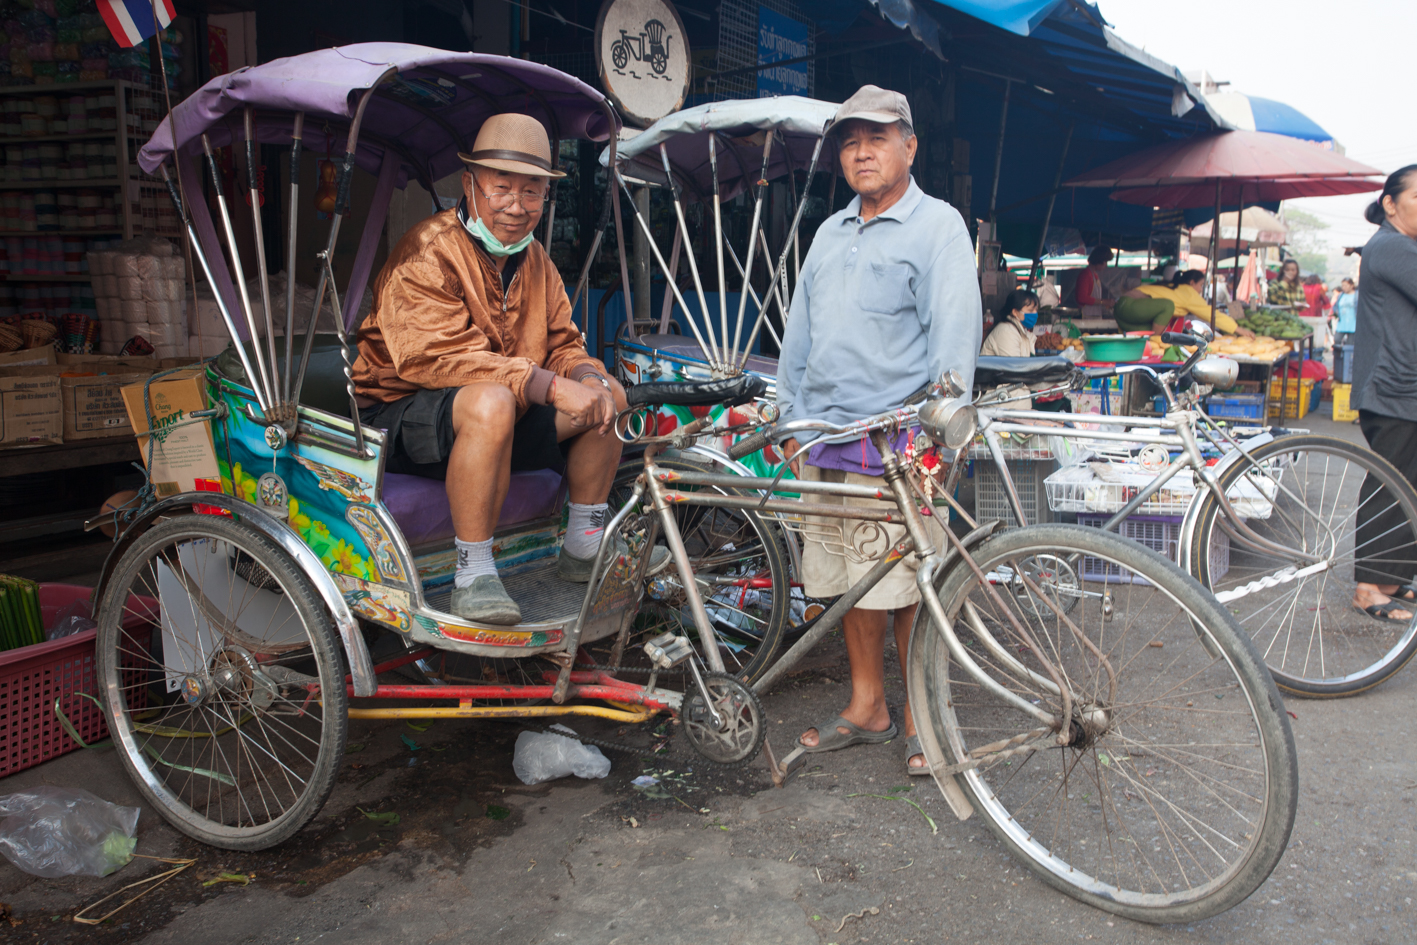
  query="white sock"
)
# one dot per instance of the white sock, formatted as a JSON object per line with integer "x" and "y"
{"x": 585, "y": 528}
{"x": 474, "y": 560}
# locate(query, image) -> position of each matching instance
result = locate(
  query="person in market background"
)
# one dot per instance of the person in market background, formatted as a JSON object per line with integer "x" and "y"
{"x": 1013, "y": 337}
{"x": 1288, "y": 290}
{"x": 1385, "y": 395}
{"x": 1091, "y": 289}
{"x": 1316, "y": 297}
{"x": 888, "y": 300}
{"x": 1151, "y": 307}
{"x": 1345, "y": 310}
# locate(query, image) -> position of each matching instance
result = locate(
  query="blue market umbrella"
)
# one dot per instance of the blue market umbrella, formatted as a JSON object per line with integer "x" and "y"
{"x": 1250, "y": 113}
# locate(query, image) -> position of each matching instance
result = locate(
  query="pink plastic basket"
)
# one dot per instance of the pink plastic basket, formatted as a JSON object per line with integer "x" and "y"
{"x": 32, "y": 677}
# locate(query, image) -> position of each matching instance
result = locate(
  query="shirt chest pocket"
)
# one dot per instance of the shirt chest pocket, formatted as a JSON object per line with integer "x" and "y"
{"x": 885, "y": 288}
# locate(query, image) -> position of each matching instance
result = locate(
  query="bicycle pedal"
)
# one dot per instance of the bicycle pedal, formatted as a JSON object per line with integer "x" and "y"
{"x": 667, "y": 650}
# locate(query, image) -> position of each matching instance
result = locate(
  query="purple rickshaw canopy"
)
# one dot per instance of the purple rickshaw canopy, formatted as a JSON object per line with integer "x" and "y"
{"x": 426, "y": 113}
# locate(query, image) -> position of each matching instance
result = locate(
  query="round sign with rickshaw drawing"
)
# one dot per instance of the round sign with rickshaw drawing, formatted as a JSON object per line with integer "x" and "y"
{"x": 643, "y": 58}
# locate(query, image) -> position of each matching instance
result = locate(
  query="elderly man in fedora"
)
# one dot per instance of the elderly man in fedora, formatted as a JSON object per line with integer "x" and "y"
{"x": 888, "y": 300}
{"x": 472, "y": 364}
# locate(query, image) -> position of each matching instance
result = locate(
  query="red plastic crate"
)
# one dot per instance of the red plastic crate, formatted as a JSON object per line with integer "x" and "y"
{"x": 32, "y": 677}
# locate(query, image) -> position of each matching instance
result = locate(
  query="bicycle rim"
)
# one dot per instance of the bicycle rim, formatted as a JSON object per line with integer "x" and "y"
{"x": 1175, "y": 793}
{"x": 221, "y": 682}
{"x": 1314, "y": 494}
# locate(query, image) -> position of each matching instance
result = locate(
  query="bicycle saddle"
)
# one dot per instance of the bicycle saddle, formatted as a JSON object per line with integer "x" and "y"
{"x": 729, "y": 390}
{"x": 991, "y": 371}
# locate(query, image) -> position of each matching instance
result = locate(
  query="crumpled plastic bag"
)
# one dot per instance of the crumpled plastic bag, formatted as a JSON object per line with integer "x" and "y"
{"x": 53, "y": 832}
{"x": 542, "y": 756}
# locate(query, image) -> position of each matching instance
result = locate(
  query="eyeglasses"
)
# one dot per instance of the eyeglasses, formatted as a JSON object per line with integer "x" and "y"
{"x": 530, "y": 202}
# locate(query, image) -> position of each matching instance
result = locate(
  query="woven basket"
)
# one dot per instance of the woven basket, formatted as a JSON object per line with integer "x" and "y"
{"x": 37, "y": 331}
{"x": 10, "y": 338}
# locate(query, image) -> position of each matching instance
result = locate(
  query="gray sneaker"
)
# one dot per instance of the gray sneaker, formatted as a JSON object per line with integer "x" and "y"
{"x": 577, "y": 570}
{"x": 485, "y": 600}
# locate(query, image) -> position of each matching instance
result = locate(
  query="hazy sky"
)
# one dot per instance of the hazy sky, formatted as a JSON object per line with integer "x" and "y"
{"x": 1345, "y": 65}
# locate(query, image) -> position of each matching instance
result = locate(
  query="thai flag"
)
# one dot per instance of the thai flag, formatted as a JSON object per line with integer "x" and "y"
{"x": 131, "y": 21}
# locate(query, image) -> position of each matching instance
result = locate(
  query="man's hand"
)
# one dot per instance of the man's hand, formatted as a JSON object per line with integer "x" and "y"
{"x": 788, "y": 448}
{"x": 588, "y": 404}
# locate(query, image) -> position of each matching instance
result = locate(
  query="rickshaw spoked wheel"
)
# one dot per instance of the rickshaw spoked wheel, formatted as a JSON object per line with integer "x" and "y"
{"x": 222, "y": 682}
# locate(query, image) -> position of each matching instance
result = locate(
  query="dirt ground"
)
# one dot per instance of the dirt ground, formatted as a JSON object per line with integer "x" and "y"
{"x": 713, "y": 855}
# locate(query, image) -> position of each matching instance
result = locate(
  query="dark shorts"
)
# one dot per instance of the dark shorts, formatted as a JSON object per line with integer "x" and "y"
{"x": 420, "y": 435}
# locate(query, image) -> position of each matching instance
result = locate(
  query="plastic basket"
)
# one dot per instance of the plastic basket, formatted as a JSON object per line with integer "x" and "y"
{"x": 1342, "y": 412}
{"x": 1160, "y": 533}
{"x": 991, "y": 498}
{"x": 33, "y": 677}
{"x": 1236, "y": 406}
{"x": 1299, "y": 400}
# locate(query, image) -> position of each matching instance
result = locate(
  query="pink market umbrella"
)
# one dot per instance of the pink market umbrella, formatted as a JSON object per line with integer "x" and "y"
{"x": 1249, "y": 286}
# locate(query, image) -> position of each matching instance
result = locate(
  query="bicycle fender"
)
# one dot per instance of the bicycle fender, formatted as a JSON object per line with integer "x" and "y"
{"x": 360, "y": 665}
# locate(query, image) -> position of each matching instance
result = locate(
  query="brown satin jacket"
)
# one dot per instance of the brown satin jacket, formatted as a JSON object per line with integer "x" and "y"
{"x": 440, "y": 319}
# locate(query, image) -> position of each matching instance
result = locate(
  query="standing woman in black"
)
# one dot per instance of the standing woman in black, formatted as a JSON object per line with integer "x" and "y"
{"x": 1385, "y": 394}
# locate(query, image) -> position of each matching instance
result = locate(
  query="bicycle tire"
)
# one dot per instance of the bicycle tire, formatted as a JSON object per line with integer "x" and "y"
{"x": 1351, "y": 651}
{"x": 1221, "y": 810}
{"x": 758, "y": 630}
{"x": 230, "y": 700}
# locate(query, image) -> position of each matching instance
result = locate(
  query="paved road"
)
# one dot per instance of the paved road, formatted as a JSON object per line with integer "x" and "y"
{"x": 725, "y": 857}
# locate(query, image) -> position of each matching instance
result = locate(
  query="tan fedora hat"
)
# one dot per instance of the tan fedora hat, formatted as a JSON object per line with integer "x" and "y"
{"x": 516, "y": 144}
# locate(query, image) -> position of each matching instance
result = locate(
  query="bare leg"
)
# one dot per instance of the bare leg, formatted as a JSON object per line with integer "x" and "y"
{"x": 592, "y": 458}
{"x": 904, "y": 620}
{"x": 480, "y": 465}
{"x": 865, "y": 633}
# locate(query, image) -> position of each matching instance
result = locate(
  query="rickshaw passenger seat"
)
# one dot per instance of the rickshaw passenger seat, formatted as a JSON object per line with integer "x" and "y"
{"x": 324, "y": 386}
{"x": 420, "y": 506}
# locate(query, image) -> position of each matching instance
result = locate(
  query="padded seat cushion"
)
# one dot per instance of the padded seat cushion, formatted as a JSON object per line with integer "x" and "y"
{"x": 420, "y": 506}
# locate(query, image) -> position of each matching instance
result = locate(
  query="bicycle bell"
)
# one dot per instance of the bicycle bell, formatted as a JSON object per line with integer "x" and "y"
{"x": 949, "y": 421}
{"x": 1216, "y": 371}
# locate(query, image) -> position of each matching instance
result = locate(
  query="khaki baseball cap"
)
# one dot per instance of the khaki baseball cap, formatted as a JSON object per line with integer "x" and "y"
{"x": 873, "y": 103}
{"x": 513, "y": 143}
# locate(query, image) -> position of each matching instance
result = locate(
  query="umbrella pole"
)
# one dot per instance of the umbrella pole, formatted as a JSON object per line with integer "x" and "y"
{"x": 1214, "y": 254}
{"x": 999, "y": 153}
{"x": 1048, "y": 214}
{"x": 1239, "y": 221}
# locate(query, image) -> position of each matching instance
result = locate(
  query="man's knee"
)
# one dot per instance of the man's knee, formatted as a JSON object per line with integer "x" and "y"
{"x": 487, "y": 409}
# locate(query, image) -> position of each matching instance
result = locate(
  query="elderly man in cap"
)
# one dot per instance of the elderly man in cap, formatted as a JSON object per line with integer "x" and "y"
{"x": 888, "y": 300}
{"x": 472, "y": 364}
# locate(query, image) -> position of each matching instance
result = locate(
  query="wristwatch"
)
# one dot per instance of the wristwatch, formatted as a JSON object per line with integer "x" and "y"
{"x": 593, "y": 376}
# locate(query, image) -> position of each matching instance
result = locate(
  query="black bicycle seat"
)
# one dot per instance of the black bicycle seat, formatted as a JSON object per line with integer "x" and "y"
{"x": 729, "y": 390}
{"x": 991, "y": 372}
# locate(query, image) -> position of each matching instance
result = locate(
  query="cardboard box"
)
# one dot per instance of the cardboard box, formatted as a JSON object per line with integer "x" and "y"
{"x": 31, "y": 408}
{"x": 182, "y": 454}
{"x": 93, "y": 404}
{"x": 28, "y": 357}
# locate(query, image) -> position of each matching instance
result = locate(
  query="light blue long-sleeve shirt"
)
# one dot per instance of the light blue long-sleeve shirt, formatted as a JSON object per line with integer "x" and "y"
{"x": 881, "y": 308}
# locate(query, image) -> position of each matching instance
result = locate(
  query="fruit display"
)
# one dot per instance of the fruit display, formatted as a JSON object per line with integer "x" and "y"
{"x": 1273, "y": 323}
{"x": 1260, "y": 348}
{"x": 1051, "y": 341}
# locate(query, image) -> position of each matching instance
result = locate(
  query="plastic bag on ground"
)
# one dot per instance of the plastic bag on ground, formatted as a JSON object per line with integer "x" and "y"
{"x": 542, "y": 756}
{"x": 53, "y": 832}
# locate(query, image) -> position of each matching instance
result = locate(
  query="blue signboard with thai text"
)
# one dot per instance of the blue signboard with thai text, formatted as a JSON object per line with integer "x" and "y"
{"x": 780, "y": 38}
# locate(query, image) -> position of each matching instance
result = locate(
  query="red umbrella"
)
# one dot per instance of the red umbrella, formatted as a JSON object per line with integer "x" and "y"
{"x": 1228, "y": 167}
{"x": 1253, "y": 164}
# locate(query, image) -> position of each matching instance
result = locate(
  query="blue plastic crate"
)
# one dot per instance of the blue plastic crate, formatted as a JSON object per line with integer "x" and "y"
{"x": 1236, "y": 406}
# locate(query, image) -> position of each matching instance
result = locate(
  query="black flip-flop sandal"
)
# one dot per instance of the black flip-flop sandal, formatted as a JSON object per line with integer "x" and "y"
{"x": 1407, "y": 593}
{"x": 1384, "y": 611}
{"x": 829, "y": 739}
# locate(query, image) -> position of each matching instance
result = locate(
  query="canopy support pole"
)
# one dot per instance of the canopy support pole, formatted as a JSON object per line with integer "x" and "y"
{"x": 709, "y": 350}
{"x": 667, "y": 309}
{"x": 1052, "y": 199}
{"x": 1239, "y": 220}
{"x": 1214, "y": 254}
{"x": 999, "y": 151}
{"x": 747, "y": 269}
{"x": 253, "y": 189}
{"x": 718, "y": 254}
{"x": 295, "y": 138}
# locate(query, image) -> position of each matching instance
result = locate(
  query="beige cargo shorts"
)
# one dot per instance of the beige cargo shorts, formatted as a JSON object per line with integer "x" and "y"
{"x": 829, "y": 570}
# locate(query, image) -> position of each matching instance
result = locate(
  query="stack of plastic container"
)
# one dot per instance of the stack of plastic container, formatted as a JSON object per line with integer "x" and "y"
{"x": 138, "y": 288}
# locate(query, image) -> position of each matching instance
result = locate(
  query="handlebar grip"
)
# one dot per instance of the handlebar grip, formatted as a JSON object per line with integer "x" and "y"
{"x": 748, "y": 446}
{"x": 1182, "y": 338}
{"x": 1092, "y": 372}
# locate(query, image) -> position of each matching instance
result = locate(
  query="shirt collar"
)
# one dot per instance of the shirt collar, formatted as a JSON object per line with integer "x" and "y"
{"x": 898, "y": 211}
